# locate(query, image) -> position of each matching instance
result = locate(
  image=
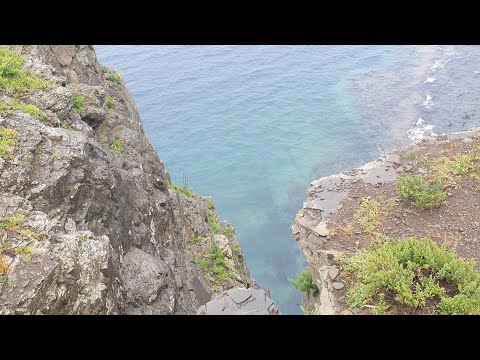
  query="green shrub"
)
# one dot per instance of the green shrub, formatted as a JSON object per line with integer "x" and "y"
{"x": 415, "y": 272}
{"x": 114, "y": 76}
{"x": 8, "y": 141}
{"x": 417, "y": 190}
{"x": 304, "y": 282}
{"x": 13, "y": 79}
{"x": 196, "y": 240}
{"x": 110, "y": 102}
{"x": 66, "y": 126}
{"x": 79, "y": 102}
{"x": 117, "y": 144}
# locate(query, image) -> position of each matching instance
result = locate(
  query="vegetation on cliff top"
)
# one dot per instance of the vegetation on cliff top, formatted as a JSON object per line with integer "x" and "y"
{"x": 413, "y": 276}
{"x": 184, "y": 190}
{"x": 442, "y": 173}
{"x": 13, "y": 79}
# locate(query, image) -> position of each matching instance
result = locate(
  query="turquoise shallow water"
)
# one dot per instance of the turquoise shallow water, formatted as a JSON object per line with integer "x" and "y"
{"x": 253, "y": 125}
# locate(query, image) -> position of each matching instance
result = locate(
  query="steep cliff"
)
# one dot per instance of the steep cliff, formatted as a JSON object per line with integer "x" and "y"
{"x": 89, "y": 221}
{"x": 383, "y": 216}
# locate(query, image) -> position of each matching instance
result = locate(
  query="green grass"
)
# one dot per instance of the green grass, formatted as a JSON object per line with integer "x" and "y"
{"x": 236, "y": 252}
{"x": 82, "y": 237}
{"x": 304, "y": 283}
{"x": 229, "y": 232}
{"x": 416, "y": 189}
{"x": 196, "y": 239}
{"x": 182, "y": 190}
{"x": 58, "y": 156}
{"x": 28, "y": 234}
{"x": 417, "y": 159}
{"x": 214, "y": 222}
{"x": 79, "y": 102}
{"x": 13, "y": 79}
{"x": 66, "y": 126}
{"x": 30, "y": 109}
{"x": 12, "y": 223}
{"x": 117, "y": 144}
{"x": 25, "y": 252}
{"x": 114, "y": 76}
{"x": 8, "y": 141}
{"x": 110, "y": 102}
{"x": 213, "y": 265}
{"x": 369, "y": 215}
{"x": 413, "y": 274}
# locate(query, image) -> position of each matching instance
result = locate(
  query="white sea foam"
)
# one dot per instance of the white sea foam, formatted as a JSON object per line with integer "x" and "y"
{"x": 438, "y": 64}
{"x": 430, "y": 80}
{"x": 428, "y": 103}
{"x": 418, "y": 132}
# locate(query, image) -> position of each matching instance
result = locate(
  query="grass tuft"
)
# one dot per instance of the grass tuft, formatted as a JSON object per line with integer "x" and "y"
{"x": 196, "y": 239}
{"x": 79, "y": 103}
{"x": 8, "y": 141}
{"x": 117, "y": 144}
{"x": 182, "y": 190}
{"x": 114, "y": 76}
{"x": 110, "y": 102}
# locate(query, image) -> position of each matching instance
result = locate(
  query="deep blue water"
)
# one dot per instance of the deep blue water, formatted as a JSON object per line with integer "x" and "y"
{"x": 253, "y": 125}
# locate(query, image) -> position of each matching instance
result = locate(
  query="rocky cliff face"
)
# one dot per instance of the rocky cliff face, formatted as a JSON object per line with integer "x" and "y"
{"x": 356, "y": 210}
{"x": 89, "y": 222}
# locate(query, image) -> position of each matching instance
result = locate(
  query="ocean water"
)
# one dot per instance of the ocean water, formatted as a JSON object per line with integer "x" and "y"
{"x": 253, "y": 125}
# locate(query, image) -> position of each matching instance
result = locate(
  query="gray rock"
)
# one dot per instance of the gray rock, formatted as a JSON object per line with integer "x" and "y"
{"x": 321, "y": 229}
{"x": 333, "y": 272}
{"x": 337, "y": 285}
{"x": 240, "y": 301}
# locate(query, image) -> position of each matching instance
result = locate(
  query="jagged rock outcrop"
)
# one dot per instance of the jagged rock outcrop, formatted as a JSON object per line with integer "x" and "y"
{"x": 88, "y": 221}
